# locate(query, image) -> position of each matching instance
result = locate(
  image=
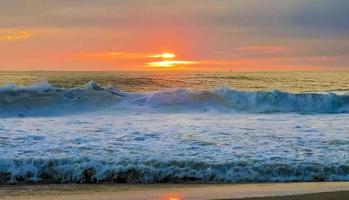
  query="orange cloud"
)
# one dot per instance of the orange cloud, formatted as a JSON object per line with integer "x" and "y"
{"x": 250, "y": 50}
{"x": 17, "y": 35}
{"x": 112, "y": 55}
{"x": 261, "y": 49}
{"x": 152, "y": 60}
{"x": 126, "y": 55}
{"x": 163, "y": 61}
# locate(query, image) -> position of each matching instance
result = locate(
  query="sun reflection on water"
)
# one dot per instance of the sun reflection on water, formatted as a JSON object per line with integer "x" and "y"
{"x": 173, "y": 197}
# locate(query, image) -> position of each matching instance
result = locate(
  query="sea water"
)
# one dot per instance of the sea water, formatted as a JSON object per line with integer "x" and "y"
{"x": 186, "y": 127}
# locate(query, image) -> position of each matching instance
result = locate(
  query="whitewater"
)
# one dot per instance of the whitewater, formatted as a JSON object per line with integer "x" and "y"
{"x": 42, "y": 99}
{"x": 96, "y": 134}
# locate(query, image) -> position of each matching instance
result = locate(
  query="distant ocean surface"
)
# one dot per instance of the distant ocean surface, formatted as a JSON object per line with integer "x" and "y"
{"x": 150, "y": 81}
{"x": 154, "y": 127}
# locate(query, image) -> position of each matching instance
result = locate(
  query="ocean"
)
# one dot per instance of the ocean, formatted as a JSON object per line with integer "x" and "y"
{"x": 174, "y": 127}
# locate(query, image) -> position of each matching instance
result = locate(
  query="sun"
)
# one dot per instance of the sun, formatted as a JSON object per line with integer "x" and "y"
{"x": 165, "y": 55}
{"x": 166, "y": 60}
{"x": 168, "y": 55}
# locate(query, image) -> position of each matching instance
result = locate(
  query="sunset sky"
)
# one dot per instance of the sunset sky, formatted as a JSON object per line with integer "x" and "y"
{"x": 241, "y": 35}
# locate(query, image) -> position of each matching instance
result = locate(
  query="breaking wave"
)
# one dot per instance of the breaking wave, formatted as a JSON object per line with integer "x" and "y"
{"x": 152, "y": 171}
{"x": 226, "y": 99}
{"x": 43, "y": 99}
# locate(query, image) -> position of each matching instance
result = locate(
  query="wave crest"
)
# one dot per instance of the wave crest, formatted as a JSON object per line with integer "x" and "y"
{"x": 226, "y": 99}
{"x": 94, "y": 171}
{"x": 43, "y": 99}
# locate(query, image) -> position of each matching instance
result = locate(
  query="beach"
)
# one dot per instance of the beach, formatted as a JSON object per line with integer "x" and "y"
{"x": 175, "y": 191}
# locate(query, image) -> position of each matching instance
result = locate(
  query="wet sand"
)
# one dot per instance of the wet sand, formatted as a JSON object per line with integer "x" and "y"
{"x": 317, "y": 196}
{"x": 175, "y": 191}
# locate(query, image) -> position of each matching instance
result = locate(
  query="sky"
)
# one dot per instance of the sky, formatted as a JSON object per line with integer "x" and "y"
{"x": 238, "y": 35}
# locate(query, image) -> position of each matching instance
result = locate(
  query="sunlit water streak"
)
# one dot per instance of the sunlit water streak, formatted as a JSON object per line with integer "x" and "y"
{"x": 150, "y": 81}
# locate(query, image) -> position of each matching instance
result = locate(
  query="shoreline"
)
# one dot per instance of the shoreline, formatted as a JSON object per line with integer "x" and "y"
{"x": 341, "y": 195}
{"x": 174, "y": 191}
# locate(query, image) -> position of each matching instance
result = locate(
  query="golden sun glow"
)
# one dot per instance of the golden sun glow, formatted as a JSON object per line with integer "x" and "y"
{"x": 167, "y": 61}
{"x": 152, "y": 60}
{"x": 170, "y": 63}
{"x": 164, "y": 55}
{"x": 172, "y": 197}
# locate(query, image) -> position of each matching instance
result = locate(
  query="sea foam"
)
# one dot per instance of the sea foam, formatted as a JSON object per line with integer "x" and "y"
{"x": 181, "y": 147}
{"x": 175, "y": 171}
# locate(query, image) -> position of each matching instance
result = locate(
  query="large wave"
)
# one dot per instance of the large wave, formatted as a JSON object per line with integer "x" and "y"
{"x": 43, "y": 99}
{"x": 152, "y": 171}
{"x": 227, "y": 99}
